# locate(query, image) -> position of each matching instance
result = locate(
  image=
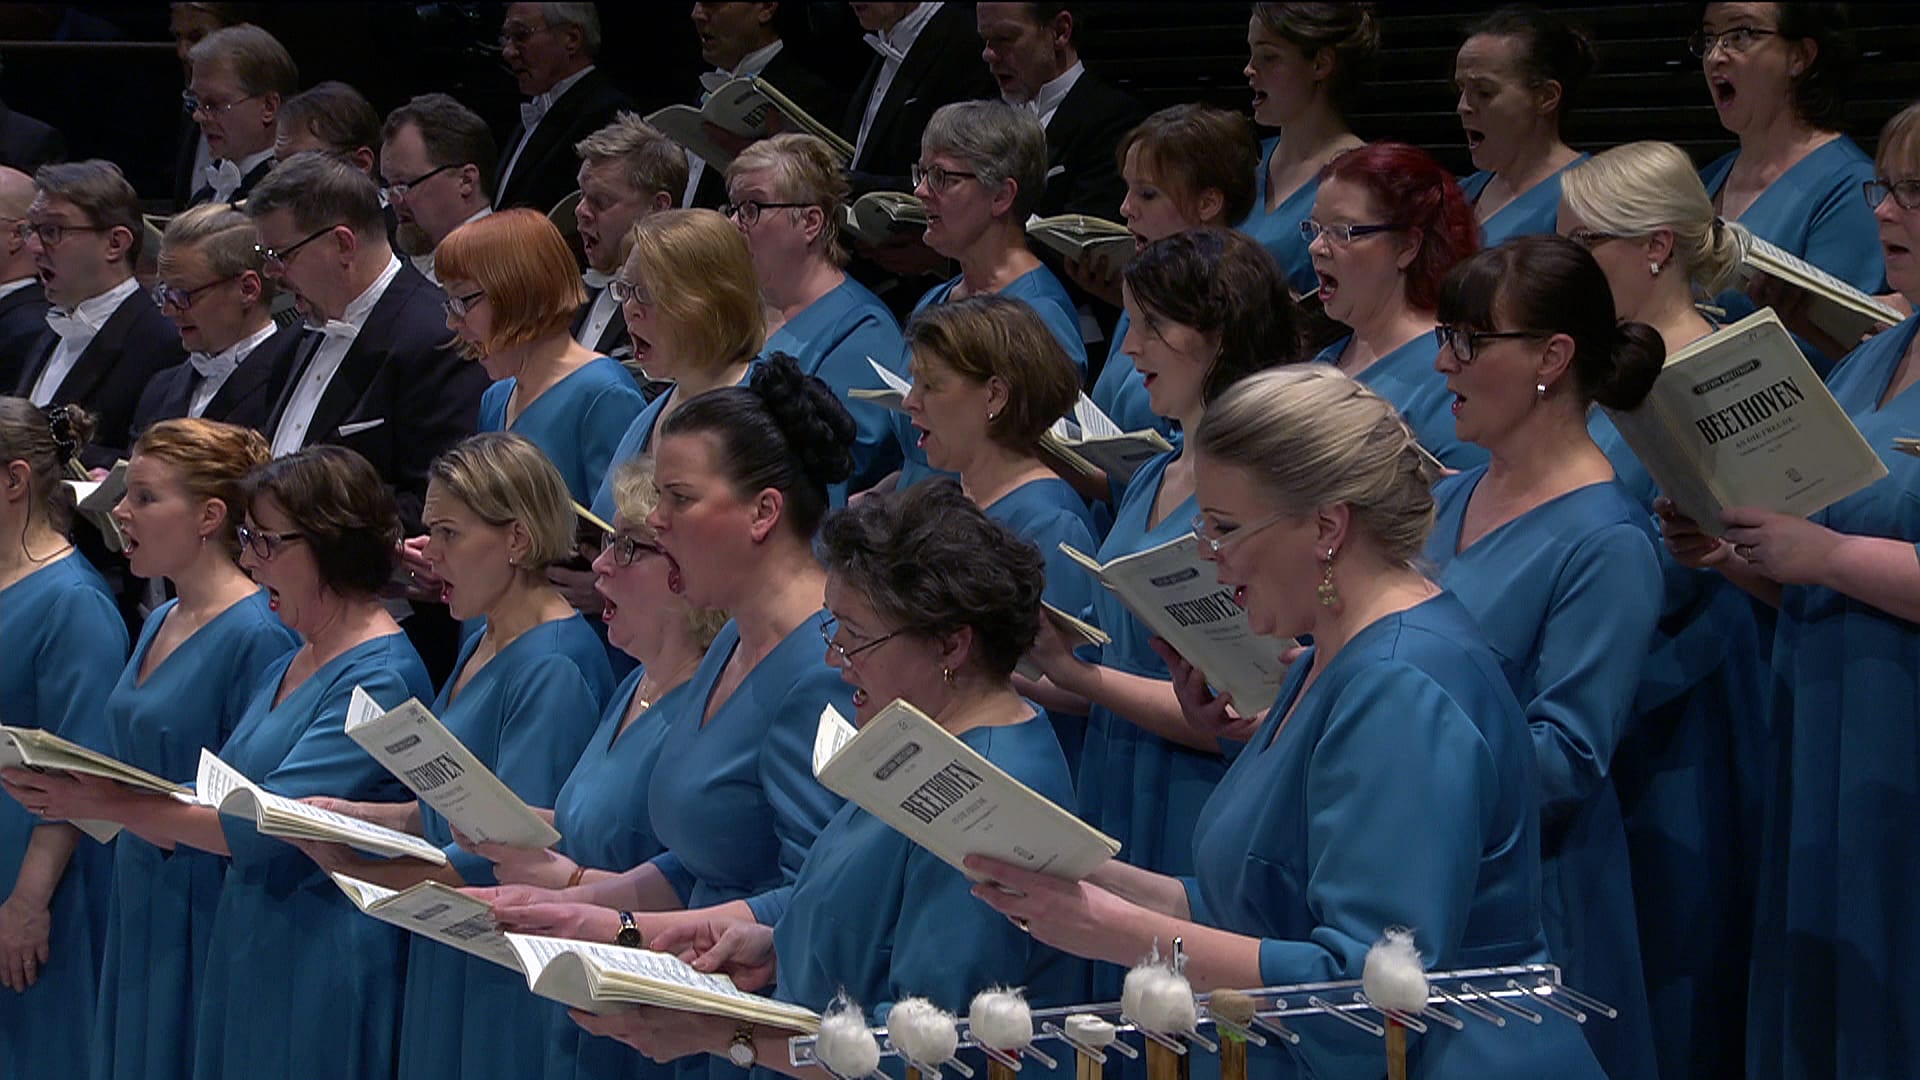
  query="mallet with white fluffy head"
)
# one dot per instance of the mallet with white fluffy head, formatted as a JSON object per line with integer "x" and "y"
{"x": 1395, "y": 979}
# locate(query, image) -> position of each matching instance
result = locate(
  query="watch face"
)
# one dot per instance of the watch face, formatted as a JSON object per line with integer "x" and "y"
{"x": 741, "y": 1053}
{"x": 628, "y": 938}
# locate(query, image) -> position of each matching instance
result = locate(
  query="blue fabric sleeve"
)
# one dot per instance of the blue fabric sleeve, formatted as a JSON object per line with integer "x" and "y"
{"x": 603, "y": 426}
{"x": 947, "y": 945}
{"x": 679, "y": 878}
{"x": 801, "y": 804}
{"x": 81, "y": 659}
{"x": 1843, "y": 238}
{"x": 265, "y": 642}
{"x": 844, "y": 367}
{"x": 1197, "y": 910}
{"x": 770, "y": 905}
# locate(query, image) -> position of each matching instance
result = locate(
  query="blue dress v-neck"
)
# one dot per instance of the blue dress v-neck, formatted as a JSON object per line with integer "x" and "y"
{"x": 1407, "y": 379}
{"x": 577, "y": 423}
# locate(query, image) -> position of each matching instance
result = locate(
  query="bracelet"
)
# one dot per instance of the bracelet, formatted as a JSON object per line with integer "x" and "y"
{"x": 574, "y": 878}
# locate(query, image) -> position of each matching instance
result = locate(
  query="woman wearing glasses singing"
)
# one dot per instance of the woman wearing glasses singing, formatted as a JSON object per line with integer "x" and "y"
{"x": 292, "y": 967}
{"x": 1830, "y": 995}
{"x": 1388, "y": 786}
{"x": 1554, "y": 558}
{"x": 1387, "y": 225}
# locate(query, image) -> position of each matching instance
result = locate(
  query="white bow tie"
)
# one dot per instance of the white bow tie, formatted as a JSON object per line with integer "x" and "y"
{"x": 335, "y": 328}
{"x": 66, "y": 325}
{"x": 531, "y": 112}
{"x": 224, "y": 177}
{"x": 213, "y": 367}
{"x": 885, "y": 48}
{"x": 595, "y": 280}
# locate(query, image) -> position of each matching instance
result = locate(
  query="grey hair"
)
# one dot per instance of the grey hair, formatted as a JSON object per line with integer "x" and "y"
{"x": 584, "y": 17}
{"x": 998, "y": 141}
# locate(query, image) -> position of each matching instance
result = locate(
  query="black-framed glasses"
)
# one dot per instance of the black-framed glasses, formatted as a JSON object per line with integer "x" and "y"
{"x": 1906, "y": 193}
{"x": 748, "y": 212}
{"x": 51, "y": 232}
{"x": 1735, "y": 41}
{"x": 399, "y": 189}
{"x": 1214, "y": 545}
{"x": 1311, "y": 230}
{"x": 624, "y": 291}
{"x": 265, "y": 544}
{"x": 211, "y": 109}
{"x": 277, "y": 260}
{"x": 1466, "y": 343}
{"x": 830, "y": 633}
{"x": 457, "y": 307}
{"x": 1593, "y": 238}
{"x": 938, "y": 177}
{"x": 165, "y": 295}
{"x": 628, "y": 549}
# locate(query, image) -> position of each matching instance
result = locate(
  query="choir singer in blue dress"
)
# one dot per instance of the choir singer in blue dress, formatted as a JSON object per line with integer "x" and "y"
{"x": 1390, "y": 785}
{"x": 1517, "y": 76}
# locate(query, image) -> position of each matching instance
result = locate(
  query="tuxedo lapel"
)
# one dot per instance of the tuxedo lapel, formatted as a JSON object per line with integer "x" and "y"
{"x": 305, "y": 345}
{"x": 42, "y": 352}
{"x": 249, "y": 395}
{"x": 97, "y": 360}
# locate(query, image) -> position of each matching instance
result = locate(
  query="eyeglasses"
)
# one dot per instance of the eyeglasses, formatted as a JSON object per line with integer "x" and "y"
{"x": 1592, "y": 238}
{"x": 624, "y": 291}
{"x": 938, "y": 178}
{"x": 179, "y": 299}
{"x": 628, "y": 549}
{"x": 276, "y": 261}
{"x": 400, "y": 189}
{"x": 830, "y": 633}
{"x": 749, "y": 212}
{"x": 1906, "y": 193}
{"x": 51, "y": 233}
{"x": 518, "y": 35}
{"x": 265, "y": 544}
{"x": 457, "y": 307}
{"x": 211, "y": 109}
{"x": 1465, "y": 343}
{"x": 1311, "y": 230}
{"x": 1214, "y": 545}
{"x": 1735, "y": 41}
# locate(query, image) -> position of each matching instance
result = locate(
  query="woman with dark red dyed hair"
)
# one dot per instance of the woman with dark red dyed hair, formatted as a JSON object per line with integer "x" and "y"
{"x": 1387, "y": 225}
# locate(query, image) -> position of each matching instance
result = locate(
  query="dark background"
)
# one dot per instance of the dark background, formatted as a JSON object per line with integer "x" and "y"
{"x": 106, "y": 74}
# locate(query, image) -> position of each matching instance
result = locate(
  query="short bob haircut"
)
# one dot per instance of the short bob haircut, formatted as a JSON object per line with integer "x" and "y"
{"x": 986, "y": 337}
{"x": 341, "y": 508}
{"x": 998, "y": 142}
{"x": 213, "y": 460}
{"x": 1414, "y": 191}
{"x": 932, "y": 563}
{"x": 519, "y": 259}
{"x": 634, "y": 498}
{"x": 1222, "y": 284}
{"x": 802, "y": 169}
{"x": 1193, "y": 148}
{"x": 504, "y": 478}
{"x": 697, "y": 267}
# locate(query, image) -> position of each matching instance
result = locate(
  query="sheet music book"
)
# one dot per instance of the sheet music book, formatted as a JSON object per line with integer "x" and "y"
{"x": 744, "y": 107}
{"x": 222, "y": 787}
{"x": 34, "y": 748}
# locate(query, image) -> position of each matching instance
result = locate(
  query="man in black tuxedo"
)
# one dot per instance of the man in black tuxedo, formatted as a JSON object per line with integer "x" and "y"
{"x": 551, "y": 50}
{"x": 190, "y": 24}
{"x": 334, "y": 118}
{"x": 240, "y": 76}
{"x": 23, "y": 303}
{"x": 438, "y": 159}
{"x": 627, "y": 171}
{"x": 744, "y": 39}
{"x": 211, "y": 286}
{"x": 378, "y": 372}
{"x": 27, "y": 143}
{"x": 105, "y": 339}
{"x": 925, "y": 59}
{"x": 1031, "y": 52}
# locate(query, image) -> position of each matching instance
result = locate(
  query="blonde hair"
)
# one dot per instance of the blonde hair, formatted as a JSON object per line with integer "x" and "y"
{"x": 1634, "y": 189}
{"x": 212, "y": 459}
{"x": 504, "y": 478}
{"x": 1314, "y": 437}
{"x": 654, "y": 163}
{"x": 519, "y": 259}
{"x": 696, "y": 266}
{"x": 222, "y": 236}
{"x": 803, "y": 169}
{"x": 1900, "y": 138}
{"x": 634, "y": 497}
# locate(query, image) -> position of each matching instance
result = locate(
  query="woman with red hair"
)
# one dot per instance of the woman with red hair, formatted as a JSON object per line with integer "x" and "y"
{"x": 1387, "y": 225}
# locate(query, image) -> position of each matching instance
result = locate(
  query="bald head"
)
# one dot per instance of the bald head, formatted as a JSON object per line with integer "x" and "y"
{"x": 16, "y": 192}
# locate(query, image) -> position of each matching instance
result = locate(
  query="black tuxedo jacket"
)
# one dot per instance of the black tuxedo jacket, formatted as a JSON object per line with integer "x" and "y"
{"x": 23, "y": 321}
{"x": 26, "y": 143}
{"x": 804, "y": 88}
{"x": 203, "y": 191}
{"x": 1082, "y": 176}
{"x": 402, "y": 394}
{"x": 942, "y": 67}
{"x": 548, "y": 169}
{"x": 614, "y": 339}
{"x": 136, "y": 344}
{"x": 247, "y": 397}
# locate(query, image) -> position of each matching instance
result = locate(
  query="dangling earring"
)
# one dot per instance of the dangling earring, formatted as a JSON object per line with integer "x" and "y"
{"x": 1329, "y": 596}
{"x": 947, "y": 674}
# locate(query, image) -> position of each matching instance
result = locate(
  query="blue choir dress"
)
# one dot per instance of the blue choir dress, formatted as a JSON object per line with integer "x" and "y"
{"x": 577, "y": 423}
{"x": 527, "y": 715}
{"x": 298, "y": 982}
{"x": 1567, "y": 595}
{"x": 833, "y": 338}
{"x": 64, "y": 645}
{"x": 636, "y": 442}
{"x": 1835, "y": 980}
{"x": 601, "y": 815}
{"x": 163, "y": 899}
{"x": 1278, "y": 229}
{"x": 1397, "y": 790}
{"x": 1406, "y": 378}
{"x": 1532, "y": 213}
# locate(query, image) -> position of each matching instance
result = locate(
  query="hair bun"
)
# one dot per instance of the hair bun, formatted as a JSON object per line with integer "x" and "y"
{"x": 71, "y": 427}
{"x": 1639, "y": 352}
{"x": 817, "y": 426}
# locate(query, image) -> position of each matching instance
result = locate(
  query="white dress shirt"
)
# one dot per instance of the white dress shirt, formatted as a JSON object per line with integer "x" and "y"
{"x": 1047, "y": 101}
{"x": 893, "y": 46}
{"x": 531, "y": 113}
{"x": 76, "y": 330}
{"x": 215, "y": 370}
{"x": 605, "y": 309}
{"x": 753, "y": 63}
{"x": 424, "y": 263}
{"x": 325, "y": 363}
{"x": 8, "y": 288}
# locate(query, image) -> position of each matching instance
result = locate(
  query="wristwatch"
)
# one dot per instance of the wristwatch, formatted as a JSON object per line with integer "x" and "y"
{"x": 629, "y": 935}
{"x": 741, "y": 1051}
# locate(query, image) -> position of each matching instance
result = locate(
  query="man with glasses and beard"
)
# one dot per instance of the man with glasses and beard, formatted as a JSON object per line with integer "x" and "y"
{"x": 438, "y": 159}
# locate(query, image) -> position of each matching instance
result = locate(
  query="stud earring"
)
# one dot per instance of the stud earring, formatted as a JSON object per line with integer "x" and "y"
{"x": 992, "y": 416}
{"x": 1540, "y": 391}
{"x": 1654, "y": 268}
{"x": 1329, "y": 596}
{"x": 947, "y": 674}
